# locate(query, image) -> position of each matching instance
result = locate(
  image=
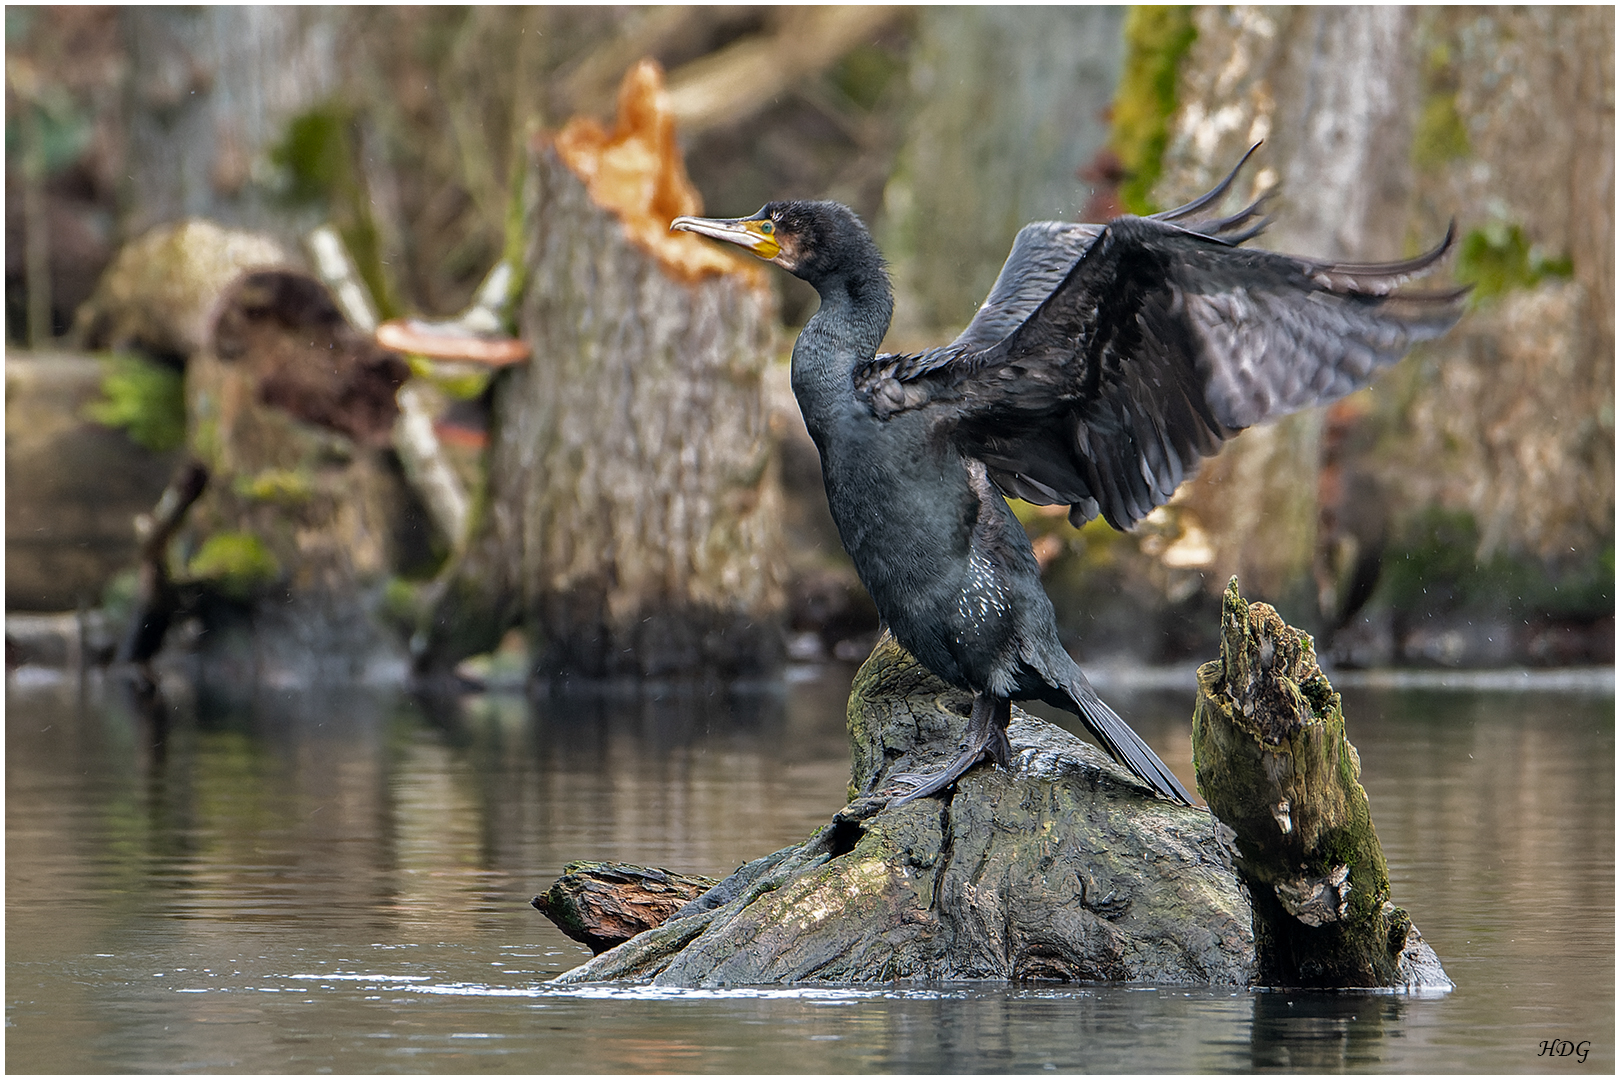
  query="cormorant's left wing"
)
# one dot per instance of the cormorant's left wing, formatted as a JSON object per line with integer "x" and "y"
{"x": 1042, "y": 255}
{"x": 1158, "y": 343}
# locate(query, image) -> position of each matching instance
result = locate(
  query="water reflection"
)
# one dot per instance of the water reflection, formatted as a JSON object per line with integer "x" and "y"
{"x": 1321, "y": 1033}
{"x": 217, "y": 880}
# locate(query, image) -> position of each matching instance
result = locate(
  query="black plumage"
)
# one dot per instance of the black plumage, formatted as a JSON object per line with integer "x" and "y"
{"x": 1106, "y": 362}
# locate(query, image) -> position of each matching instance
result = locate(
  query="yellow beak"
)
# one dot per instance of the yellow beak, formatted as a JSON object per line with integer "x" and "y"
{"x": 752, "y": 233}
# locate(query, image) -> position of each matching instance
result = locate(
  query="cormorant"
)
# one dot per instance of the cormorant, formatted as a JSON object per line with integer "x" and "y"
{"x": 1107, "y": 360}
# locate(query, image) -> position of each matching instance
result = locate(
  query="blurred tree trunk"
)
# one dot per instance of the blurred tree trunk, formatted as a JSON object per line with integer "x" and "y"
{"x": 1330, "y": 91}
{"x": 1383, "y": 124}
{"x": 213, "y": 89}
{"x": 632, "y": 521}
{"x": 1011, "y": 103}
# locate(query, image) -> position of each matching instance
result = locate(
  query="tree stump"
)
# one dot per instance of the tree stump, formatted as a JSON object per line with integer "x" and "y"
{"x": 1273, "y": 762}
{"x": 307, "y": 515}
{"x": 631, "y": 521}
{"x": 289, "y": 411}
{"x": 1064, "y": 868}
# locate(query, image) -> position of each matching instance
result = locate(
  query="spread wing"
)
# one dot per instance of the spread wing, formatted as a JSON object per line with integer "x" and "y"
{"x": 1103, "y": 386}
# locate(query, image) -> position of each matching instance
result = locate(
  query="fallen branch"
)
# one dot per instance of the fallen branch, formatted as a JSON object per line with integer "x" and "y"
{"x": 156, "y": 599}
{"x": 423, "y": 460}
{"x": 606, "y": 904}
{"x": 739, "y": 80}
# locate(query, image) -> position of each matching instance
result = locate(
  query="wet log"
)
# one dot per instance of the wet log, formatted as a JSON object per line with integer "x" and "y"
{"x": 631, "y": 519}
{"x": 1063, "y": 868}
{"x": 1273, "y": 762}
{"x": 606, "y": 904}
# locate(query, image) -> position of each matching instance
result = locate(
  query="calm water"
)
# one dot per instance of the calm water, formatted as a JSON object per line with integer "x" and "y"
{"x": 339, "y": 882}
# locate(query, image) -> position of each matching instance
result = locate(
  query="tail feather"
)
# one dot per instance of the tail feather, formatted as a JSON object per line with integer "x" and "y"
{"x": 1126, "y": 745}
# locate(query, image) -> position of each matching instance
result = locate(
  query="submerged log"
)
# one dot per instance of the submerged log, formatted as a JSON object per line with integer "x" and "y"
{"x": 1273, "y": 762}
{"x": 1065, "y": 867}
{"x": 1062, "y": 868}
{"x": 606, "y": 904}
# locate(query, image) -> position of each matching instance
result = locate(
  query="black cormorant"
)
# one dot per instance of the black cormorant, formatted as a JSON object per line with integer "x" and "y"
{"x": 1107, "y": 360}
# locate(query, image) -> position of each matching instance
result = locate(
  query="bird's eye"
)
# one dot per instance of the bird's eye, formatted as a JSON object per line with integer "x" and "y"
{"x": 767, "y": 228}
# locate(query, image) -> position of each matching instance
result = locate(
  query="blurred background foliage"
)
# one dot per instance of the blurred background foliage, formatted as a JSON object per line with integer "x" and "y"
{"x": 1466, "y": 499}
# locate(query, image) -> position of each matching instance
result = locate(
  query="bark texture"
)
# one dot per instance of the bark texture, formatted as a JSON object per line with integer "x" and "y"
{"x": 1273, "y": 761}
{"x": 1381, "y": 125}
{"x": 1510, "y": 420}
{"x": 606, "y": 904}
{"x": 1063, "y": 868}
{"x": 212, "y": 89}
{"x": 632, "y": 517}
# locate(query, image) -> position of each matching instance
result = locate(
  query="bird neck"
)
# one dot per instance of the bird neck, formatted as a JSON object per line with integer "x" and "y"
{"x": 844, "y": 332}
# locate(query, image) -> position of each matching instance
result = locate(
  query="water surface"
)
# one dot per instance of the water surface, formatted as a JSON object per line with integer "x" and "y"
{"x": 338, "y": 881}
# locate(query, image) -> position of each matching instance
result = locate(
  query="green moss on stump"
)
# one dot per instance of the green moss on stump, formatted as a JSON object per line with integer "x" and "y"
{"x": 146, "y": 399}
{"x": 282, "y": 487}
{"x": 237, "y": 564}
{"x": 1273, "y": 762}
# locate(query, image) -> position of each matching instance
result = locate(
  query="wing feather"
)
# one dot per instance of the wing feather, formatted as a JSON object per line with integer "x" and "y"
{"x": 1108, "y": 360}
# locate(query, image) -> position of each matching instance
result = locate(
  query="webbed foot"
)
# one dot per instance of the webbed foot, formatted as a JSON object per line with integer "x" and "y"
{"x": 986, "y": 738}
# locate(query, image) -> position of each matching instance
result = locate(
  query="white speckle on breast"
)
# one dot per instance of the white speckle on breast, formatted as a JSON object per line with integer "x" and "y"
{"x": 982, "y": 592}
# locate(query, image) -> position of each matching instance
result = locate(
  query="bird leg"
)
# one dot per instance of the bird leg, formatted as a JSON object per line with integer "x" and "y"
{"x": 986, "y": 737}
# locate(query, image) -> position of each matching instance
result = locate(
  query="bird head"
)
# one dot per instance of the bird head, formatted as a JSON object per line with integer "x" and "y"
{"x": 807, "y": 239}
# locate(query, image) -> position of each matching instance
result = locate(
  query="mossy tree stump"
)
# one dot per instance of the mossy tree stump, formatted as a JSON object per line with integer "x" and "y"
{"x": 1273, "y": 762}
{"x": 287, "y": 552}
{"x": 307, "y": 515}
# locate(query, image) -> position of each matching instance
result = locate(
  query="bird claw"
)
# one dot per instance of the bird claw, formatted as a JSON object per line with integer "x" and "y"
{"x": 924, "y": 784}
